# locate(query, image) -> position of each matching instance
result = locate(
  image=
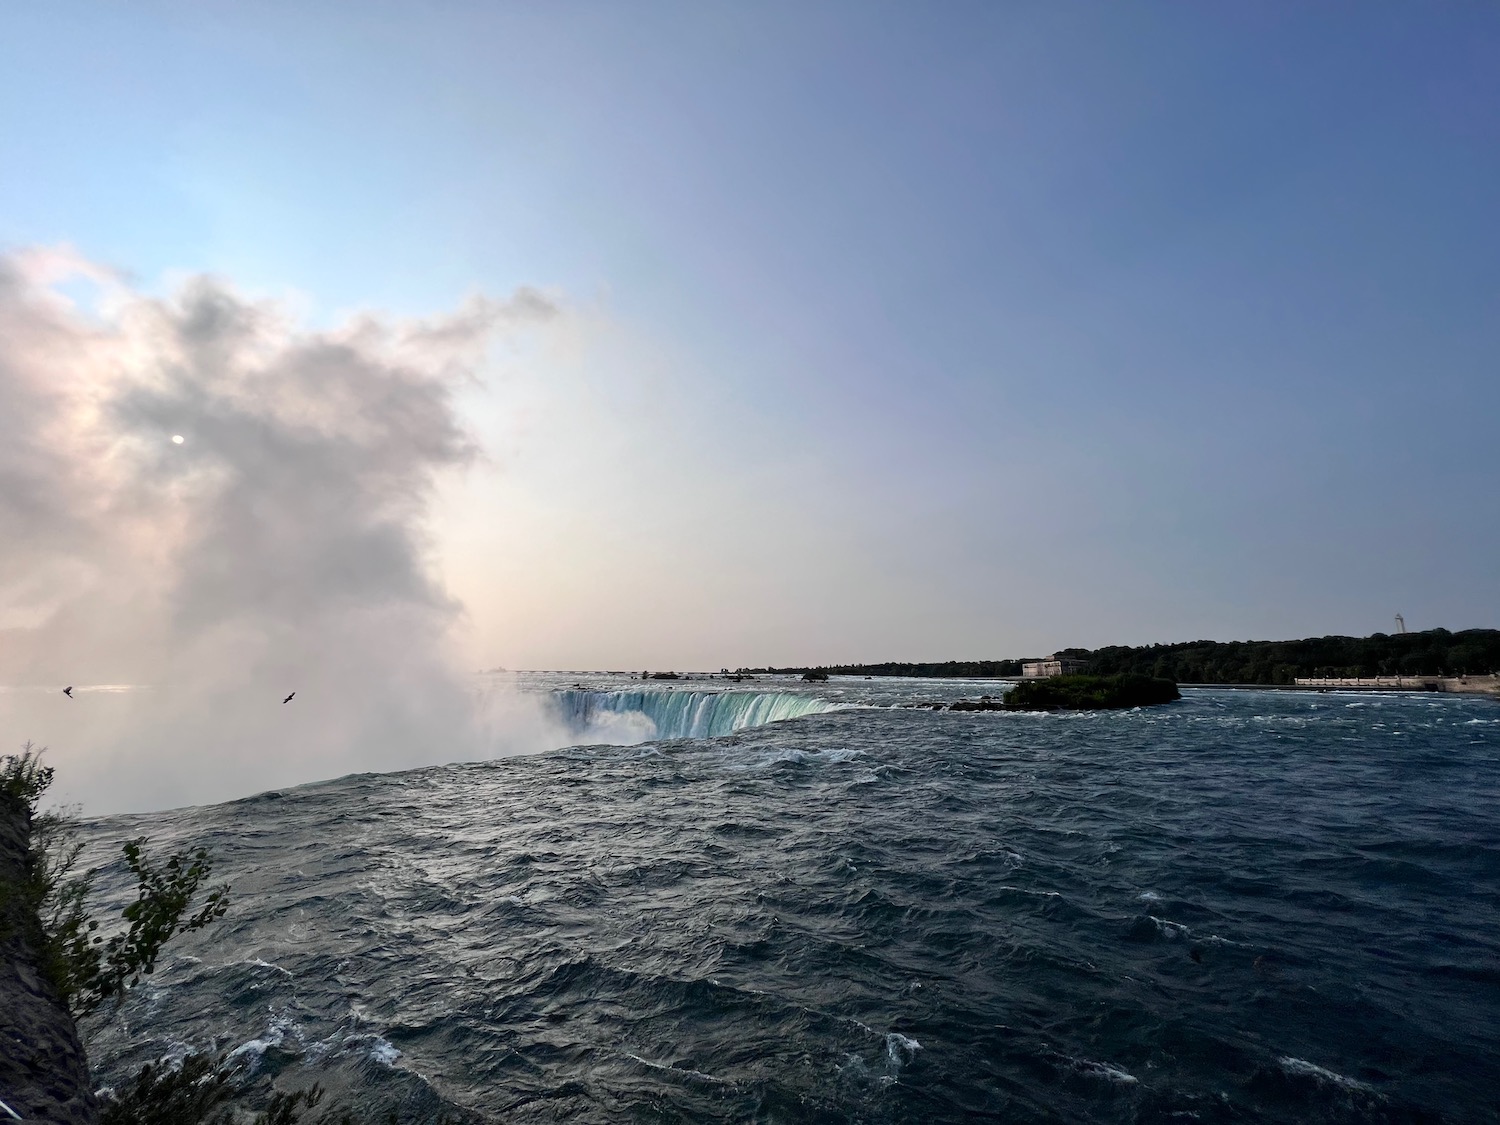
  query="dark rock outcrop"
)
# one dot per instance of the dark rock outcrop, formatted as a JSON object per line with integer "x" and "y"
{"x": 983, "y": 704}
{"x": 1069, "y": 693}
{"x": 44, "y": 1074}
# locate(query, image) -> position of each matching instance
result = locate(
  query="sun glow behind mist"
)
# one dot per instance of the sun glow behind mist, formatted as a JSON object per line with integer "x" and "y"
{"x": 290, "y": 551}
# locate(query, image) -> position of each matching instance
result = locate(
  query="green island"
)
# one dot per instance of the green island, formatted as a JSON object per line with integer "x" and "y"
{"x": 1090, "y": 693}
{"x": 1072, "y": 693}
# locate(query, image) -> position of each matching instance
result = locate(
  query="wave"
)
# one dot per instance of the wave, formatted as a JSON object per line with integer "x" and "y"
{"x": 625, "y": 717}
{"x": 1301, "y": 1068}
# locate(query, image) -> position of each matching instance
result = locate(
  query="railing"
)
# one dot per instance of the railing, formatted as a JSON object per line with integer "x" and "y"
{"x": 1369, "y": 681}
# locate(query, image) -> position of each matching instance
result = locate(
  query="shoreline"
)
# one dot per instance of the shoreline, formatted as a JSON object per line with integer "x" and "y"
{"x": 1438, "y": 685}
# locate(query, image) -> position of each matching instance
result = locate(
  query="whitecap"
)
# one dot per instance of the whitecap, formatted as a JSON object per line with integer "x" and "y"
{"x": 1215, "y": 939}
{"x": 257, "y": 963}
{"x": 384, "y": 1052}
{"x": 252, "y": 1050}
{"x": 1103, "y": 1071}
{"x": 805, "y": 756}
{"x": 278, "y": 1031}
{"x": 372, "y": 1046}
{"x": 1304, "y": 1069}
{"x": 791, "y": 755}
{"x": 900, "y": 1049}
{"x": 1028, "y": 891}
{"x": 684, "y": 1071}
{"x": 177, "y": 1050}
{"x": 1169, "y": 929}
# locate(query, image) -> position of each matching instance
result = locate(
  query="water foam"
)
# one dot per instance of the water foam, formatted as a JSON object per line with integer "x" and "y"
{"x": 761, "y": 757}
{"x": 685, "y": 1072}
{"x": 279, "y": 1029}
{"x": 1103, "y": 1071}
{"x": 373, "y": 1047}
{"x": 1301, "y": 1068}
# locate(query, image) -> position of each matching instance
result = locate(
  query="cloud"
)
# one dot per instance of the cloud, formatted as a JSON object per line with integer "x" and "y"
{"x": 281, "y": 546}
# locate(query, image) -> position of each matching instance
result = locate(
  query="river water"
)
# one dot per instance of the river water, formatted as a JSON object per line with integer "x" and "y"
{"x": 1246, "y": 906}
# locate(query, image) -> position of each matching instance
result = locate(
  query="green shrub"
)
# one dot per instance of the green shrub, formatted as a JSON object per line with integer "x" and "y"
{"x": 23, "y": 777}
{"x": 188, "y": 1092}
{"x": 195, "y": 1091}
{"x": 91, "y": 970}
{"x": 87, "y": 968}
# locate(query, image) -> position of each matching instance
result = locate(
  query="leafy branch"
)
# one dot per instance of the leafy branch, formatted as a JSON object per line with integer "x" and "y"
{"x": 199, "y": 1089}
{"x": 87, "y": 968}
{"x": 91, "y": 970}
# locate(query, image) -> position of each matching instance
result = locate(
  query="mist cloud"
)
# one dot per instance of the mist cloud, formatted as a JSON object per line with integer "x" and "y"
{"x": 281, "y": 546}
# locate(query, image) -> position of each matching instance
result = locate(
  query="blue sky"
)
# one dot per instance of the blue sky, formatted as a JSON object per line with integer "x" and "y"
{"x": 900, "y": 331}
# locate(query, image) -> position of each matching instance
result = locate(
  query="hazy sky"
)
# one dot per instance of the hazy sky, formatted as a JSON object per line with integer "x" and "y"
{"x": 872, "y": 331}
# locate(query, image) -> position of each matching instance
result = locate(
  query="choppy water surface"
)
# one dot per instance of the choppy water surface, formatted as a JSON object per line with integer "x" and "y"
{"x": 1247, "y": 906}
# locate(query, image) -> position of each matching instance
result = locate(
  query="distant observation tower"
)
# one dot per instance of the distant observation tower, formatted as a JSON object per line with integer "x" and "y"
{"x": 1400, "y": 624}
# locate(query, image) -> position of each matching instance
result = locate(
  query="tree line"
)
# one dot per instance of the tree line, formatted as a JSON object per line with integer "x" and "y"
{"x": 947, "y": 670}
{"x": 1433, "y": 652}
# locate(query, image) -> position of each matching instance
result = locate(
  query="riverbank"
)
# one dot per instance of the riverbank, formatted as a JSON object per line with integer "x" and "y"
{"x": 1461, "y": 685}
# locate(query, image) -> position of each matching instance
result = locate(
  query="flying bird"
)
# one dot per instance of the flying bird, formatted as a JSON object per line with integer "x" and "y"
{"x": 288, "y": 699}
{"x": 68, "y": 691}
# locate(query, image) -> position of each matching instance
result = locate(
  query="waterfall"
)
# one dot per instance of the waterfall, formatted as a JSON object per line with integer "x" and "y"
{"x": 635, "y": 716}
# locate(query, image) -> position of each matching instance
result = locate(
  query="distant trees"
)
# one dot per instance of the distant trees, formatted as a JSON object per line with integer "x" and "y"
{"x": 1430, "y": 653}
{"x": 948, "y": 669}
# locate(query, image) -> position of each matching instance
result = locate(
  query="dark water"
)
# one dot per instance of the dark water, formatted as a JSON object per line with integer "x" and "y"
{"x": 1249, "y": 906}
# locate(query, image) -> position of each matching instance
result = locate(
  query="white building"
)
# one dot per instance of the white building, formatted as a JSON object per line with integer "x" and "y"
{"x": 1053, "y": 666}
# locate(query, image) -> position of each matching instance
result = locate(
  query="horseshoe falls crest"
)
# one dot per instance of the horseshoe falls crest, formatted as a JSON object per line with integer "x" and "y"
{"x": 819, "y": 903}
{"x": 636, "y": 716}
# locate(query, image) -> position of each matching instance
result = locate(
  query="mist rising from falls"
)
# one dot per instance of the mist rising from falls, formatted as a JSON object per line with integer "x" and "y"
{"x": 625, "y": 717}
